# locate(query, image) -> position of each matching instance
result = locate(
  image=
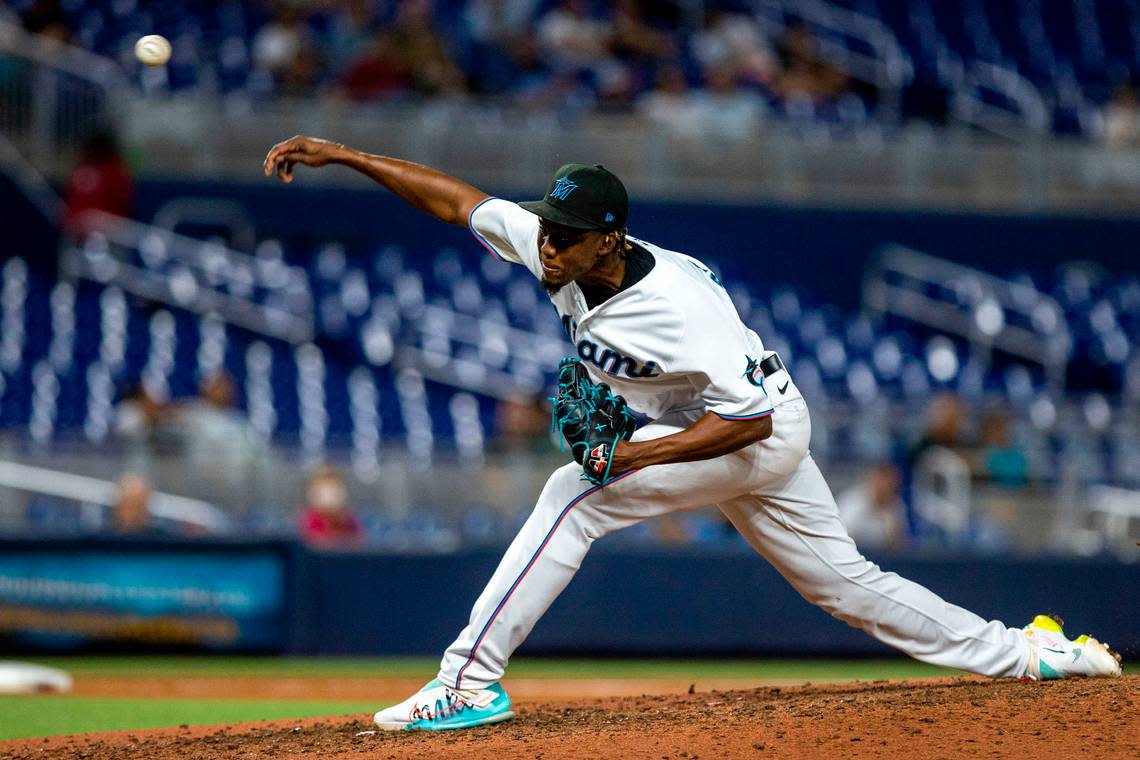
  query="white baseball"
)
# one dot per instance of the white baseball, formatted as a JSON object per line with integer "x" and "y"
{"x": 153, "y": 50}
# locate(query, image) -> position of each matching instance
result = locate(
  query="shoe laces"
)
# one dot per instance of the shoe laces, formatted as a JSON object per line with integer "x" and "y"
{"x": 451, "y": 704}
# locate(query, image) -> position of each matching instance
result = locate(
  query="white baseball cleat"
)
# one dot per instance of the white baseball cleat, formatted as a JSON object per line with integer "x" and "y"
{"x": 1052, "y": 656}
{"x": 436, "y": 707}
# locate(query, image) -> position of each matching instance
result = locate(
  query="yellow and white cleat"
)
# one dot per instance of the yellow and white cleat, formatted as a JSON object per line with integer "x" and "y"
{"x": 1052, "y": 656}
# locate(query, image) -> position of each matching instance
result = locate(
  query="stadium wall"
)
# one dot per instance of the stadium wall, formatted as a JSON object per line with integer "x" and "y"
{"x": 282, "y": 597}
{"x": 824, "y": 251}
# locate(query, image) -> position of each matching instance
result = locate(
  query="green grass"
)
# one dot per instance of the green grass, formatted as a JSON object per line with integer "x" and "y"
{"x": 523, "y": 667}
{"x": 49, "y": 715}
{"x": 24, "y": 716}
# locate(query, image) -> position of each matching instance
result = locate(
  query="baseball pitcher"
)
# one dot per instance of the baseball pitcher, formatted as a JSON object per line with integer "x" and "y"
{"x": 654, "y": 329}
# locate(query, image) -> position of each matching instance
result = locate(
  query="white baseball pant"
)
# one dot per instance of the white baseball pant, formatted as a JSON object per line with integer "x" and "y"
{"x": 775, "y": 495}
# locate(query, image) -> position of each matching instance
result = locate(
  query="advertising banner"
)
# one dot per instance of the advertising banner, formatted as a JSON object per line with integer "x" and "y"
{"x": 209, "y": 599}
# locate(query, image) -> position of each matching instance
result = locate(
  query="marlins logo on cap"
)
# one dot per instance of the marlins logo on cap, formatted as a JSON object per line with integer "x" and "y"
{"x": 585, "y": 197}
{"x": 562, "y": 188}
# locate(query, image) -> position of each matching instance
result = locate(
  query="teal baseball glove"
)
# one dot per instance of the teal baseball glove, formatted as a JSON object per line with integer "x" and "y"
{"x": 592, "y": 419}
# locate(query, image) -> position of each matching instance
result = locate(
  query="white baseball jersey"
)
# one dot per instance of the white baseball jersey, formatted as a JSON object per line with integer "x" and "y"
{"x": 671, "y": 342}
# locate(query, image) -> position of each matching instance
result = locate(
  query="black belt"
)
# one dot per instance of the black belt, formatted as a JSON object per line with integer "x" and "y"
{"x": 771, "y": 365}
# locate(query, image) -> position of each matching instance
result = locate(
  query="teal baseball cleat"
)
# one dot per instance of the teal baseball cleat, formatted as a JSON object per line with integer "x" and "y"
{"x": 437, "y": 707}
{"x": 1052, "y": 656}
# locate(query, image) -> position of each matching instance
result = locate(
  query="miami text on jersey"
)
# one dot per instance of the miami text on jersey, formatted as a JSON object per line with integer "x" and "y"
{"x": 611, "y": 362}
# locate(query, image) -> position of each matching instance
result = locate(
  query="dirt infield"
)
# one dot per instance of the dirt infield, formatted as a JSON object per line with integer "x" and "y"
{"x": 950, "y": 718}
{"x": 384, "y": 690}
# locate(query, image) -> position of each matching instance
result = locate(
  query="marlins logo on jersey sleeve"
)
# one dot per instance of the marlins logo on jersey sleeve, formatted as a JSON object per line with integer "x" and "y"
{"x": 508, "y": 231}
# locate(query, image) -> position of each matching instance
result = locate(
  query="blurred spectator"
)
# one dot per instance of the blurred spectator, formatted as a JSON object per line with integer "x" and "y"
{"x": 143, "y": 423}
{"x": 581, "y": 47}
{"x": 614, "y": 87}
{"x": 560, "y": 92}
{"x": 727, "y": 110}
{"x": 635, "y": 38}
{"x": 47, "y": 19}
{"x": 1005, "y": 466}
{"x": 498, "y": 31}
{"x": 873, "y": 509}
{"x": 221, "y": 445}
{"x": 326, "y": 520}
{"x": 1001, "y": 461}
{"x": 522, "y": 424}
{"x": 498, "y": 23}
{"x": 722, "y": 110}
{"x": 1122, "y": 117}
{"x": 938, "y": 475}
{"x": 138, "y": 415}
{"x": 522, "y": 434}
{"x": 944, "y": 417}
{"x": 278, "y": 42}
{"x": 286, "y": 57}
{"x": 378, "y": 72}
{"x": 529, "y": 72}
{"x": 214, "y": 426}
{"x": 670, "y": 105}
{"x": 131, "y": 512}
{"x": 805, "y": 74}
{"x": 733, "y": 41}
{"x": 100, "y": 181}
{"x": 572, "y": 38}
{"x": 423, "y": 51}
{"x": 301, "y": 74}
{"x": 351, "y": 30}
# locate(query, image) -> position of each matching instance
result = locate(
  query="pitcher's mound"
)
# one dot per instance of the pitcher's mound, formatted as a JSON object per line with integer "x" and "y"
{"x": 949, "y": 717}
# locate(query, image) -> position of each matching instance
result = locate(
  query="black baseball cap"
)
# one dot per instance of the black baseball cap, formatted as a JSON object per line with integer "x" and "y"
{"x": 583, "y": 196}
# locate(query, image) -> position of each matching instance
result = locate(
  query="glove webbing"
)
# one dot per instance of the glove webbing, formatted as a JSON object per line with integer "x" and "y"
{"x": 593, "y": 399}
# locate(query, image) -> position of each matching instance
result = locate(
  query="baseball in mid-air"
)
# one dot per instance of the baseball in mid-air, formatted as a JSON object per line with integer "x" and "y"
{"x": 153, "y": 50}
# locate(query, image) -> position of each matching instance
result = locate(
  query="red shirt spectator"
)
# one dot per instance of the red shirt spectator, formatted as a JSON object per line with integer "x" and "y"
{"x": 326, "y": 521}
{"x": 376, "y": 73}
{"x": 101, "y": 181}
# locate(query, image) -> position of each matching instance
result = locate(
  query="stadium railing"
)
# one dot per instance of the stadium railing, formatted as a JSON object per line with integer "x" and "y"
{"x": 56, "y": 94}
{"x": 201, "y": 276}
{"x": 999, "y": 100}
{"x": 82, "y": 489}
{"x": 30, "y": 181}
{"x": 988, "y": 311}
{"x": 885, "y": 65}
{"x": 474, "y": 363}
